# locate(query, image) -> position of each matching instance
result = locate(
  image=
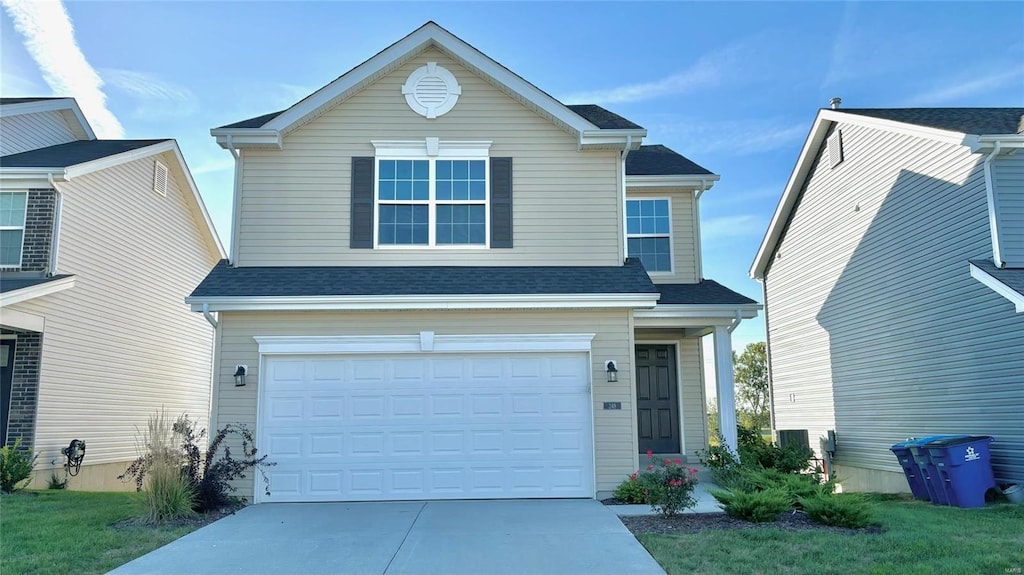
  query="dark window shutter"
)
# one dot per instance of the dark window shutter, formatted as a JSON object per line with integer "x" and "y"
{"x": 501, "y": 202}
{"x": 361, "y": 225}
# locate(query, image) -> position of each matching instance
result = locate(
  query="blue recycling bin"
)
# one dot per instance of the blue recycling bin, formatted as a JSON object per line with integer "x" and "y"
{"x": 915, "y": 477}
{"x": 928, "y": 471}
{"x": 962, "y": 469}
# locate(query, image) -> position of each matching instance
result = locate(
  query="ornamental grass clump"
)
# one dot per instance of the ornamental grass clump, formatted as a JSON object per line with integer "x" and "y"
{"x": 668, "y": 485}
{"x": 169, "y": 493}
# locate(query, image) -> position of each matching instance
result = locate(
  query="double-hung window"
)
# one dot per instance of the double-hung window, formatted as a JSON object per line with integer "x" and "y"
{"x": 649, "y": 233}
{"x": 12, "y": 227}
{"x": 433, "y": 201}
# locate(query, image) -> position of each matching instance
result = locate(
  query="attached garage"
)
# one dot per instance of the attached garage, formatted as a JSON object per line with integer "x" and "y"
{"x": 409, "y": 424}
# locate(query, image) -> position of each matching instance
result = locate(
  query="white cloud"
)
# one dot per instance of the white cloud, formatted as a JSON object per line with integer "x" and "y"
{"x": 739, "y": 137}
{"x": 153, "y": 93}
{"x": 211, "y": 165}
{"x": 707, "y": 71}
{"x": 740, "y": 225}
{"x": 959, "y": 89}
{"x": 50, "y": 39}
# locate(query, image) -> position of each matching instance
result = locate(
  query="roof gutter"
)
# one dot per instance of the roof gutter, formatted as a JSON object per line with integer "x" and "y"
{"x": 423, "y": 302}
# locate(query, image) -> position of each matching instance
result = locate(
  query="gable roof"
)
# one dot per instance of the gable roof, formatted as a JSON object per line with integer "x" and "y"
{"x": 67, "y": 107}
{"x": 73, "y": 153}
{"x": 975, "y": 128}
{"x": 227, "y": 281}
{"x": 1007, "y": 282}
{"x": 271, "y": 131}
{"x": 707, "y": 292}
{"x": 659, "y": 160}
{"x": 18, "y": 287}
{"x": 603, "y": 118}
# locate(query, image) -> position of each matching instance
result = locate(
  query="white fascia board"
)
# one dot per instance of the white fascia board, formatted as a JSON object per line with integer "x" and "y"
{"x": 612, "y": 139}
{"x": 946, "y": 136}
{"x": 33, "y": 177}
{"x": 986, "y": 143}
{"x": 248, "y": 137}
{"x": 672, "y": 182}
{"x": 84, "y": 168}
{"x": 395, "y": 344}
{"x": 428, "y": 33}
{"x": 426, "y": 302}
{"x": 999, "y": 287}
{"x": 745, "y": 311}
{"x": 58, "y": 105}
{"x": 16, "y": 296}
{"x": 23, "y": 320}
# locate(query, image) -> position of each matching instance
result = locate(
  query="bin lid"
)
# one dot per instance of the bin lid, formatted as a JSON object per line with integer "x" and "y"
{"x": 920, "y": 441}
{"x": 958, "y": 440}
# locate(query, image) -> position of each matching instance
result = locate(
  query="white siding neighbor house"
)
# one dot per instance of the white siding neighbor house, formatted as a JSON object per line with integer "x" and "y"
{"x": 447, "y": 284}
{"x": 99, "y": 242}
{"x": 893, "y": 274}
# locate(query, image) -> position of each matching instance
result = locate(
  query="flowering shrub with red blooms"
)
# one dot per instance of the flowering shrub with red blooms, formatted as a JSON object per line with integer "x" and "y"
{"x": 669, "y": 485}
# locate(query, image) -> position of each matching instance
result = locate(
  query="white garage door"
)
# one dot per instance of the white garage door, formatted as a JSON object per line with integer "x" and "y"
{"x": 427, "y": 426}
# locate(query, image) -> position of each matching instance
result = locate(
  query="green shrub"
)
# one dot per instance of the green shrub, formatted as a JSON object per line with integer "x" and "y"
{"x": 169, "y": 494}
{"x": 15, "y": 466}
{"x": 669, "y": 485}
{"x": 840, "y": 510}
{"x": 754, "y": 450}
{"x": 757, "y": 506}
{"x": 632, "y": 490}
{"x": 797, "y": 485}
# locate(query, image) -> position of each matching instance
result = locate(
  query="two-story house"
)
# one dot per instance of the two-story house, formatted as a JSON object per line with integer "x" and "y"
{"x": 447, "y": 284}
{"x": 893, "y": 274}
{"x": 99, "y": 242}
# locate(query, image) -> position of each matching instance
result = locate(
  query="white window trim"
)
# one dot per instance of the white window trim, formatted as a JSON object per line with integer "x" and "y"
{"x": 431, "y": 149}
{"x": 24, "y": 218}
{"x": 670, "y": 235}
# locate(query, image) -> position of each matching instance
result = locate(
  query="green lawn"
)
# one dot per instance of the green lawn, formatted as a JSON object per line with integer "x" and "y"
{"x": 919, "y": 538}
{"x": 57, "y": 532}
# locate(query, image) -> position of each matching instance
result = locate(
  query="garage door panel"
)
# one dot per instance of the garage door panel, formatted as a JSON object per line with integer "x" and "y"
{"x": 430, "y": 427}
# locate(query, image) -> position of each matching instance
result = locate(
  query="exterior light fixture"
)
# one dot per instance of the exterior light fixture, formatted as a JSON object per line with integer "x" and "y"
{"x": 240, "y": 375}
{"x": 613, "y": 372}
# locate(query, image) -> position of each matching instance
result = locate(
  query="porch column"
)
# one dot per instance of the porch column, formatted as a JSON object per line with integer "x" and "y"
{"x": 724, "y": 383}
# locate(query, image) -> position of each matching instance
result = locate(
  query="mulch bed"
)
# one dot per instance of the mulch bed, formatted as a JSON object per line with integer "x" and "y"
{"x": 698, "y": 522}
{"x": 197, "y": 520}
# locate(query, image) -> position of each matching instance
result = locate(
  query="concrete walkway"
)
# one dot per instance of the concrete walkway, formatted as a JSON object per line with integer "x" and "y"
{"x": 705, "y": 503}
{"x": 539, "y": 537}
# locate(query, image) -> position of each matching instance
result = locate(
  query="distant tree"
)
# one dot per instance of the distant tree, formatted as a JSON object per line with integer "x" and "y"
{"x": 712, "y": 409}
{"x": 751, "y": 375}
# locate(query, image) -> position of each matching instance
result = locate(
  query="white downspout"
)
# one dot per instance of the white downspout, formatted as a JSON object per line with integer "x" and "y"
{"x": 696, "y": 228}
{"x": 208, "y": 316}
{"x": 622, "y": 180}
{"x": 735, "y": 322}
{"x": 236, "y": 200}
{"x": 55, "y": 236}
{"x": 993, "y": 216}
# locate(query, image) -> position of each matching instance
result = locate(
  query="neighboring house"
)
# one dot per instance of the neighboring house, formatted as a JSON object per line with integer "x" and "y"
{"x": 429, "y": 279}
{"x": 99, "y": 242}
{"x": 893, "y": 274}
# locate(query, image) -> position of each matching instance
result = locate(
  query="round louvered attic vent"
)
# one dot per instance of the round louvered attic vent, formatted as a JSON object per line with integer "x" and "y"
{"x": 431, "y": 90}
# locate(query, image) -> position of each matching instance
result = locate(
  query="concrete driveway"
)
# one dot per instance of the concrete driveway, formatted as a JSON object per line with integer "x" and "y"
{"x": 560, "y": 537}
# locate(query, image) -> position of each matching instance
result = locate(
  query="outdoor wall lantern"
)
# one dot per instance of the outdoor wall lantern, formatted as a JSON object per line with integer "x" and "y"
{"x": 613, "y": 372}
{"x": 240, "y": 375}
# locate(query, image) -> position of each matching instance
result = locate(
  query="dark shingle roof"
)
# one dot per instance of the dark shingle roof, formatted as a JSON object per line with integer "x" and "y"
{"x": 658, "y": 160}
{"x": 975, "y": 121}
{"x": 602, "y": 118}
{"x": 11, "y": 282}
{"x": 707, "y": 292}
{"x": 1012, "y": 278}
{"x": 72, "y": 153}
{"x": 227, "y": 281}
{"x": 256, "y": 122}
{"x": 6, "y": 101}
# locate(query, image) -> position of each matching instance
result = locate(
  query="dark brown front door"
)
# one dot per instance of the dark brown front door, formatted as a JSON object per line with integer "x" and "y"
{"x": 657, "y": 399}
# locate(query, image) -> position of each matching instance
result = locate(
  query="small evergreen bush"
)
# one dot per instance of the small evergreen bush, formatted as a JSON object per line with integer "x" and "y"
{"x": 757, "y": 506}
{"x": 15, "y": 467}
{"x": 840, "y": 510}
{"x": 632, "y": 490}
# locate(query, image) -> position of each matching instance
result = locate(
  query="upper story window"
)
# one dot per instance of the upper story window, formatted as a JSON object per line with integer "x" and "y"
{"x": 434, "y": 201}
{"x": 649, "y": 233}
{"x": 12, "y": 227}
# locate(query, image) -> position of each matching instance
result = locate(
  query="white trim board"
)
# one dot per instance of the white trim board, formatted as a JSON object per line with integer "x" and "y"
{"x": 425, "y": 342}
{"x": 699, "y": 183}
{"x": 426, "y": 302}
{"x": 22, "y": 320}
{"x": 19, "y": 295}
{"x": 66, "y": 106}
{"x": 999, "y": 287}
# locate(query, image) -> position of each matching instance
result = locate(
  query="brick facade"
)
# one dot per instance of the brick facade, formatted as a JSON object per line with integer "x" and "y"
{"x": 21, "y": 421}
{"x": 35, "y": 251}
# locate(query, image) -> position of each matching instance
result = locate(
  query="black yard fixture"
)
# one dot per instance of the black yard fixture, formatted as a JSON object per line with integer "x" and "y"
{"x": 75, "y": 453}
{"x": 240, "y": 375}
{"x": 613, "y": 372}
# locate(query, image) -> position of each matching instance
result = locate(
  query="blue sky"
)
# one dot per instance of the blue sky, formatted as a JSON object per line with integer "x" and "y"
{"x": 733, "y": 86}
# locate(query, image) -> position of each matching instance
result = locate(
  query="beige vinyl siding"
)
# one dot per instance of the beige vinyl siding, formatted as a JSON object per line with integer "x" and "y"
{"x": 33, "y": 131}
{"x": 615, "y": 431}
{"x": 1008, "y": 182}
{"x": 685, "y": 244}
{"x": 295, "y": 202}
{"x": 121, "y": 343}
{"x": 877, "y": 329}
